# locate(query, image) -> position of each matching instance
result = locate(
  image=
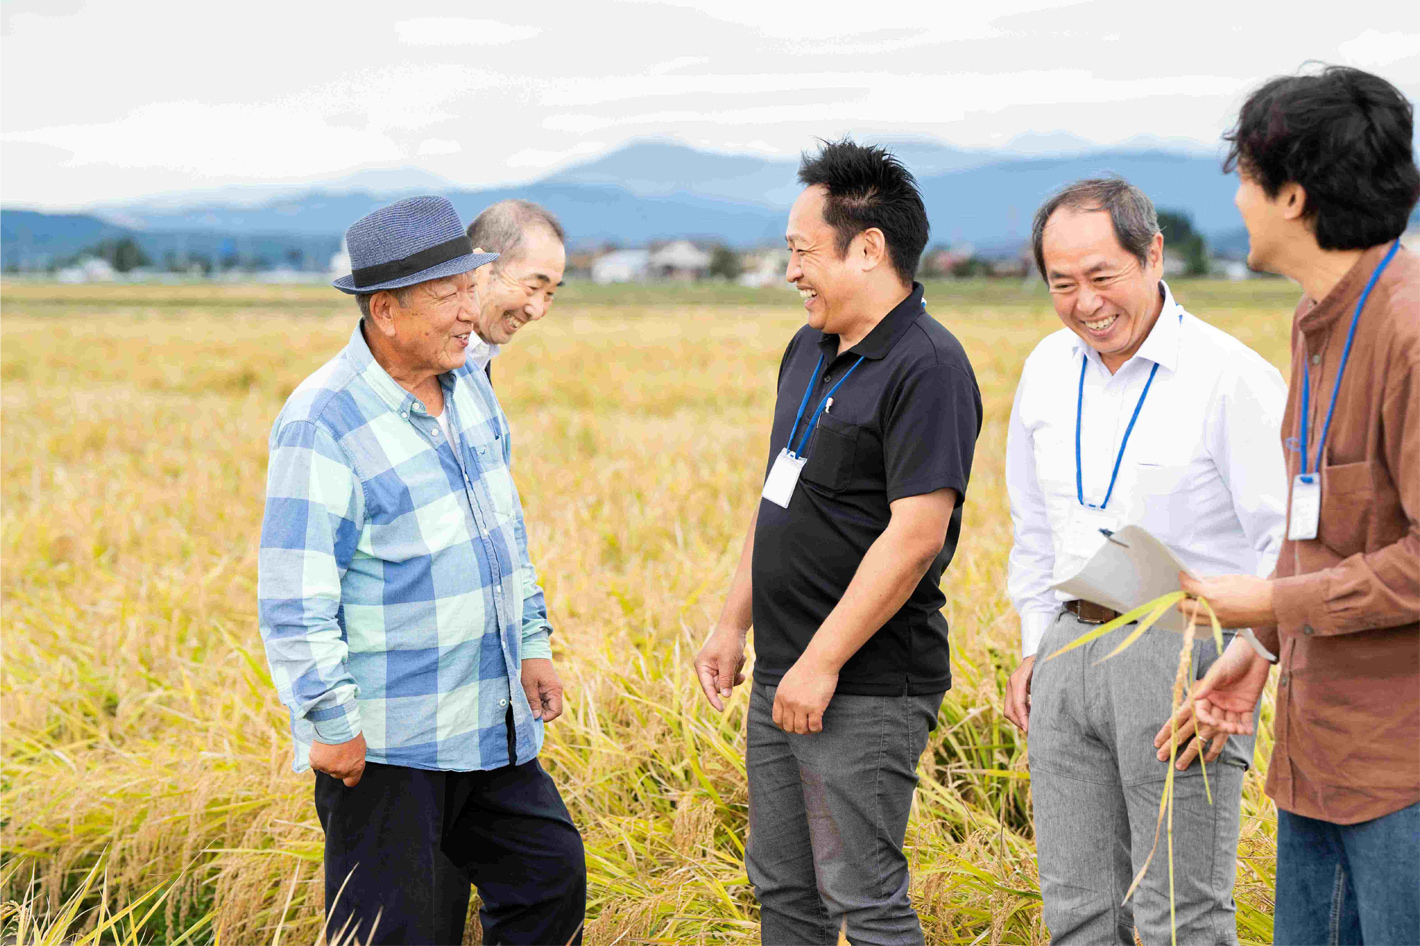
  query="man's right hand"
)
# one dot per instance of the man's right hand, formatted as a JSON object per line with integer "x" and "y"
{"x": 1018, "y": 695}
{"x": 719, "y": 665}
{"x": 345, "y": 761}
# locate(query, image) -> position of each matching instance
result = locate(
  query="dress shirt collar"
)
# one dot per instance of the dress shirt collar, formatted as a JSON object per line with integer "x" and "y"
{"x": 1162, "y": 343}
{"x": 877, "y": 343}
{"x": 397, "y": 398}
{"x": 1343, "y": 296}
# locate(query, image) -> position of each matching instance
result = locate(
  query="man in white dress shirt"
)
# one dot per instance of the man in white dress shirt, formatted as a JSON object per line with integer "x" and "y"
{"x": 1136, "y": 412}
{"x": 519, "y": 286}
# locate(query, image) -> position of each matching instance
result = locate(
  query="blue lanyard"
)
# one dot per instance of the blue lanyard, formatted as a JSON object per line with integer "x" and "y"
{"x": 1340, "y": 370}
{"x": 805, "y": 403}
{"x": 1079, "y": 406}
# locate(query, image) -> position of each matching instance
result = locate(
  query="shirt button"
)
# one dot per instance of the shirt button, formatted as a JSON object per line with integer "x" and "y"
{"x": 502, "y": 702}
{"x": 404, "y": 414}
{"x": 1282, "y": 680}
{"x": 826, "y": 377}
{"x": 1316, "y": 359}
{"x": 1307, "y": 629}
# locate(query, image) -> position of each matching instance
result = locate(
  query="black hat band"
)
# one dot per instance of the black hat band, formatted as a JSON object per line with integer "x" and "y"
{"x": 412, "y": 264}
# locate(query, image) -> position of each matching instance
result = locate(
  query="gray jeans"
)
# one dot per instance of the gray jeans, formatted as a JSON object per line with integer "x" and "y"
{"x": 1096, "y": 786}
{"x": 827, "y": 816}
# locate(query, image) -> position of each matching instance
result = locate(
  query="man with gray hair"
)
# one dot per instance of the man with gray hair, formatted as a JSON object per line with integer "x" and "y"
{"x": 519, "y": 286}
{"x": 402, "y": 616}
{"x": 1135, "y": 412}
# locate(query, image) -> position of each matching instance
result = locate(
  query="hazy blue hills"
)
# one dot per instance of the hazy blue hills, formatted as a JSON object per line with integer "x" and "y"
{"x": 645, "y": 191}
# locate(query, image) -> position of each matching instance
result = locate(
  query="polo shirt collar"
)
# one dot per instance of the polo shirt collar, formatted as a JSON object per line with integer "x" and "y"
{"x": 1162, "y": 344}
{"x": 877, "y": 343}
{"x": 388, "y": 389}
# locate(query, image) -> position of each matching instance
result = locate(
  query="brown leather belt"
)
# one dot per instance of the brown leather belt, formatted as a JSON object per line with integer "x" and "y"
{"x": 1089, "y": 612}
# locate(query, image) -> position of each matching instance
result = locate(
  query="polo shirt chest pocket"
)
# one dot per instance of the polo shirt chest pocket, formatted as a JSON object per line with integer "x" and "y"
{"x": 832, "y": 454}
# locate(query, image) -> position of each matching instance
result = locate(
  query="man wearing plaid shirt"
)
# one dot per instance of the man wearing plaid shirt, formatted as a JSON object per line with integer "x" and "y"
{"x": 402, "y": 617}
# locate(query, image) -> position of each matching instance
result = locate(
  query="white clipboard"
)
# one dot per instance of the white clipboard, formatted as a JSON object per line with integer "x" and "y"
{"x": 1131, "y": 568}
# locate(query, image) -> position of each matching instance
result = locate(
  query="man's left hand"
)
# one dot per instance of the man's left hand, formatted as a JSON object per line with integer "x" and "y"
{"x": 1185, "y": 725}
{"x": 802, "y": 697}
{"x": 1237, "y": 600}
{"x": 543, "y": 687}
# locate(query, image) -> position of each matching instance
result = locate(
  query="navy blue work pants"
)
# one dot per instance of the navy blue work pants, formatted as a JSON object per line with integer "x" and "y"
{"x": 403, "y": 846}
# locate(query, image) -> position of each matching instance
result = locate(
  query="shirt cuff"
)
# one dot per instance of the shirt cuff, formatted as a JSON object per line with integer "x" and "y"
{"x": 537, "y": 644}
{"x": 1301, "y": 605}
{"x": 1034, "y": 624}
{"x": 337, "y": 724}
{"x": 1269, "y": 638}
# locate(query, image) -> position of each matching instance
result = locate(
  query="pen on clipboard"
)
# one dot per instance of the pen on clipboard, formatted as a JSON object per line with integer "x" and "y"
{"x": 1110, "y": 535}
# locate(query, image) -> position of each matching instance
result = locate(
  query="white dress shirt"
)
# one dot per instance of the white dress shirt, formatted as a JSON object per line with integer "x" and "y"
{"x": 1203, "y": 468}
{"x": 479, "y": 353}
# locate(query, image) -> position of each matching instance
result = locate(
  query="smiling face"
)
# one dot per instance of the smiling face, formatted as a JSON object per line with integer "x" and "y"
{"x": 827, "y": 282}
{"x": 428, "y": 332}
{"x": 519, "y": 290}
{"x": 1100, "y": 290}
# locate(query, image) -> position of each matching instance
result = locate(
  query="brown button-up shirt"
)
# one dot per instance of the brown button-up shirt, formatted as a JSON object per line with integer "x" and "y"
{"x": 1348, "y": 602}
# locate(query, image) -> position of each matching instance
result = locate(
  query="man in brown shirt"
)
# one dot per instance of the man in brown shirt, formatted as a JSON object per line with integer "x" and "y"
{"x": 1327, "y": 183}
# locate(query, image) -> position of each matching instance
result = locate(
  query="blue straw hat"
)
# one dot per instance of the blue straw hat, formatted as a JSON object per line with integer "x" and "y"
{"x": 410, "y": 241}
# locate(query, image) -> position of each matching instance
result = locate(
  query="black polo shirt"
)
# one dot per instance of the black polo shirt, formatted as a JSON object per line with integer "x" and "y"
{"x": 903, "y": 424}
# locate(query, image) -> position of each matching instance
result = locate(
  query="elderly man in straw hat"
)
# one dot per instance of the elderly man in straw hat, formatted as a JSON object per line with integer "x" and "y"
{"x": 402, "y": 617}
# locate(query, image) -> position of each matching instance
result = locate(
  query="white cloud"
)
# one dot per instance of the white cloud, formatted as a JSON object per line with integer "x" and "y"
{"x": 439, "y": 146}
{"x": 1374, "y": 49}
{"x": 877, "y": 97}
{"x": 460, "y": 31}
{"x": 541, "y": 159}
{"x": 218, "y": 141}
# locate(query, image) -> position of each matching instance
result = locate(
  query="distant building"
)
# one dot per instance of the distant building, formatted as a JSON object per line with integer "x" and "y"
{"x": 764, "y": 268}
{"x": 340, "y": 262}
{"x": 1234, "y": 269}
{"x": 621, "y": 266}
{"x": 88, "y": 269}
{"x": 680, "y": 260}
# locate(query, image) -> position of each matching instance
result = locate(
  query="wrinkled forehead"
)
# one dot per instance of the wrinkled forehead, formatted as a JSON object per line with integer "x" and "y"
{"x": 1081, "y": 239}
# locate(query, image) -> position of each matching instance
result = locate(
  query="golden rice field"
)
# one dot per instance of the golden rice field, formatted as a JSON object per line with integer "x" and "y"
{"x": 146, "y": 787}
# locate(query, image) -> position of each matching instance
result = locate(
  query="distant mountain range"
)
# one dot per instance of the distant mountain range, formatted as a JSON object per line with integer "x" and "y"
{"x": 644, "y": 191}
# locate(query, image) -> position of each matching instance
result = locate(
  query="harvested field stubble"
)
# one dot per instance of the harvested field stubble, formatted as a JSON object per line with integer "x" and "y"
{"x": 142, "y": 735}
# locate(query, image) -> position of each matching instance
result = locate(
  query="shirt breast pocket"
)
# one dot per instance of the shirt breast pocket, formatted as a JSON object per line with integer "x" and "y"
{"x": 1347, "y": 501}
{"x": 497, "y": 477}
{"x": 1160, "y": 498}
{"x": 832, "y": 454}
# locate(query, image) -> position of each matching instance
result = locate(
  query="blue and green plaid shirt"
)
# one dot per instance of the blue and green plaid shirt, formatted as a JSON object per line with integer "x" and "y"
{"x": 396, "y": 594}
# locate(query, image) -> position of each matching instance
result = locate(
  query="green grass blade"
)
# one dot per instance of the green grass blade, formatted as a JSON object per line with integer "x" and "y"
{"x": 1161, "y": 604}
{"x": 1217, "y": 628}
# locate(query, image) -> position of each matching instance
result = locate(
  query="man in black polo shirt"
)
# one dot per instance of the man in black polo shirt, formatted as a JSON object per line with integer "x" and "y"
{"x": 874, "y": 430}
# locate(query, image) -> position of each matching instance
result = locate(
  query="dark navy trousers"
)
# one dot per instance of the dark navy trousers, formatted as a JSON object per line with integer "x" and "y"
{"x": 404, "y": 845}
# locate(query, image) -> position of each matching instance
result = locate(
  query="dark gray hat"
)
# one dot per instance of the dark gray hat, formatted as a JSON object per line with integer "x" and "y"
{"x": 411, "y": 241}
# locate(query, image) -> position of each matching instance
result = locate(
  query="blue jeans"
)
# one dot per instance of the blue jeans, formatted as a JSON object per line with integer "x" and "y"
{"x": 1348, "y": 883}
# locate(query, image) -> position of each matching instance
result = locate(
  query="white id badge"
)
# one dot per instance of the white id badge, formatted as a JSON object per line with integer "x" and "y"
{"x": 1306, "y": 506}
{"x": 783, "y": 477}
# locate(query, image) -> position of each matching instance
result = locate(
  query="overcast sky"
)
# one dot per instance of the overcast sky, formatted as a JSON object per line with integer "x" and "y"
{"x": 110, "y": 101}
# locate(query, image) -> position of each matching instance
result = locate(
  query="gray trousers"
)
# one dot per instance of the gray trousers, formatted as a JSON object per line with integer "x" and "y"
{"x": 1096, "y": 786}
{"x": 827, "y": 816}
